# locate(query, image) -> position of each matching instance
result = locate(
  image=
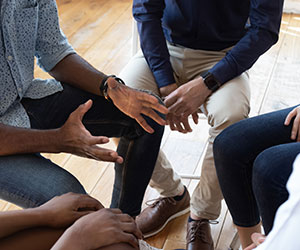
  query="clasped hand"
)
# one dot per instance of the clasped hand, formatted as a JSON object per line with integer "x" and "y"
{"x": 185, "y": 101}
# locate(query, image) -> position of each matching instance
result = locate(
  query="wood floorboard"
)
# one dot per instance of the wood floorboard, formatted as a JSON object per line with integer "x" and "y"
{"x": 101, "y": 32}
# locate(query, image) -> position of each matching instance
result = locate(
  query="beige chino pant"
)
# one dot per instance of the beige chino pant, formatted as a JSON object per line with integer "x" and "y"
{"x": 227, "y": 105}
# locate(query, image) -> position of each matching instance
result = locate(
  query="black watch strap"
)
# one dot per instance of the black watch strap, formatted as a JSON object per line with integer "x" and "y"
{"x": 104, "y": 86}
{"x": 211, "y": 82}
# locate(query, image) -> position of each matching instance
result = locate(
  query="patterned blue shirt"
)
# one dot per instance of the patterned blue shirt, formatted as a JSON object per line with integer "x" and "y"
{"x": 29, "y": 28}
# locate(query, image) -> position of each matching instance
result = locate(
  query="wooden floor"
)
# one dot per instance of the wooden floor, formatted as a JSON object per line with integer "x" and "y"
{"x": 101, "y": 31}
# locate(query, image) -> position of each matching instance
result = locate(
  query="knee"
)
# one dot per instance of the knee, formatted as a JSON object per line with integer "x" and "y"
{"x": 226, "y": 147}
{"x": 224, "y": 116}
{"x": 61, "y": 185}
{"x": 264, "y": 170}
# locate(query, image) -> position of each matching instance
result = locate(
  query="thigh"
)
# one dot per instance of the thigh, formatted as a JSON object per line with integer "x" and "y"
{"x": 229, "y": 104}
{"x": 248, "y": 138}
{"x": 137, "y": 74}
{"x": 30, "y": 180}
{"x": 103, "y": 118}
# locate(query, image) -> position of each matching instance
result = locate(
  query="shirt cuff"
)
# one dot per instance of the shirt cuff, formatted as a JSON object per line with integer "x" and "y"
{"x": 223, "y": 71}
{"x": 163, "y": 78}
{"x": 49, "y": 62}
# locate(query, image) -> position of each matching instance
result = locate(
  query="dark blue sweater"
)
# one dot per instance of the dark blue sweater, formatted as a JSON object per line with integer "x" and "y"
{"x": 207, "y": 25}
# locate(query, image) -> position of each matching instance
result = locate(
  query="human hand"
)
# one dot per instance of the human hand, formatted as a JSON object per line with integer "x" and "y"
{"x": 295, "y": 135}
{"x": 257, "y": 239}
{"x": 62, "y": 211}
{"x": 166, "y": 90}
{"x": 180, "y": 123}
{"x": 186, "y": 99}
{"x": 74, "y": 138}
{"x": 103, "y": 228}
{"x": 134, "y": 103}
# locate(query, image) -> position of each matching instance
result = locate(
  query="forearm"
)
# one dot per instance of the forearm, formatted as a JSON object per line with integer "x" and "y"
{"x": 148, "y": 15}
{"x": 74, "y": 70}
{"x": 33, "y": 239}
{"x": 69, "y": 240}
{"x": 15, "y": 140}
{"x": 16, "y": 221}
{"x": 243, "y": 55}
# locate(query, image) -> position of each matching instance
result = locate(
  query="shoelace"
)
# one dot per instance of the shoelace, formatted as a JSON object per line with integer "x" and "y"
{"x": 197, "y": 232}
{"x": 157, "y": 201}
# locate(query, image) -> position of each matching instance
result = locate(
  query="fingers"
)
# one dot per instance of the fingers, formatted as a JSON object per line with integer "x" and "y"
{"x": 87, "y": 202}
{"x": 295, "y": 129}
{"x": 153, "y": 115}
{"x": 129, "y": 238}
{"x": 195, "y": 117}
{"x": 251, "y": 247}
{"x": 296, "y": 123}
{"x": 290, "y": 116}
{"x": 98, "y": 140}
{"x": 186, "y": 125}
{"x": 82, "y": 109}
{"x": 144, "y": 124}
{"x": 152, "y": 102}
{"x": 258, "y": 238}
{"x": 103, "y": 154}
{"x": 115, "y": 210}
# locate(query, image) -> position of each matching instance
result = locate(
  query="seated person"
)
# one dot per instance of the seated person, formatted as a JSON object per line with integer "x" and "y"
{"x": 66, "y": 114}
{"x": 285, "y": 231}
{"x": 86, "y": 223}
{"x": 254, "y": 160}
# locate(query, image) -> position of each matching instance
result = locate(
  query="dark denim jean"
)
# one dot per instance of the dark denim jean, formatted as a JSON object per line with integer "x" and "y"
{"x": 254, "y": 159}
{"x": 30, "y": 180}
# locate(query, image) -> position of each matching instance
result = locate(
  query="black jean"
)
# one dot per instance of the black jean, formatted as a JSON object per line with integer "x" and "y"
{"x": 138, "y": 148}
{"x": 254, "y": 159}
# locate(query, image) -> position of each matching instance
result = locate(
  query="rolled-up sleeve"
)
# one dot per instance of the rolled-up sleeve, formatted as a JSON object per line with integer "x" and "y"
{"x": 51, "y": 44}
{"x": 265, "y": 19}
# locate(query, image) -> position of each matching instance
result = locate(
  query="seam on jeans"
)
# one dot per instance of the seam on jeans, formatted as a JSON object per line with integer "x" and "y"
{"x": 124, "y": 171}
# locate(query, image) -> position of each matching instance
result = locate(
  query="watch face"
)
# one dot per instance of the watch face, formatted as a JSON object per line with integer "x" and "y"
{"x": 211, "y": 82}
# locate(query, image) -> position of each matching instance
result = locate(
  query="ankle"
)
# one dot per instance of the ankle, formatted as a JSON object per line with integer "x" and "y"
{"x": 181, "y": 195}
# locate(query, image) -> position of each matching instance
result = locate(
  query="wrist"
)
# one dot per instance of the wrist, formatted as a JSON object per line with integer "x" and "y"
{"x": 168, "y": 89}
{"x": 211, "y": 82}
{"x": 203, "y": 88}
{"x": 104, "y": 89}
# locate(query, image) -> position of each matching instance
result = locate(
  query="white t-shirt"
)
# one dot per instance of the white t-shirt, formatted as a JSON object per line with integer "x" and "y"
{"x": 285, "y": 234}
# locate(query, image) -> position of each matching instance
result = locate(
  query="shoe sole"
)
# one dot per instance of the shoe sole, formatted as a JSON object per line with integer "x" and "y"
{"x": 147, "y": 235}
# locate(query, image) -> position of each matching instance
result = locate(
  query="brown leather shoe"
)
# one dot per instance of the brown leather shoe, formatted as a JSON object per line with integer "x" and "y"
{"x": 154, "y": 218}
{"x": 199, "y": 236}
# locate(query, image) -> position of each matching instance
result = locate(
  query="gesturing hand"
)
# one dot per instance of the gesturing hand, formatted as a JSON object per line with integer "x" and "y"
{"x": 62, "y": 211}
{"x": 134, "y": 103}
{"x": 76, "y": 139}
{"x": 296, "y": 124}
{"x": 103, "y": 228}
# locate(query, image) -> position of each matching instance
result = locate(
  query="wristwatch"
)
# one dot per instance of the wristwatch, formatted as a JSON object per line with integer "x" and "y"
{"x": 211, "y": 82}
{"x": 104, "y": 86}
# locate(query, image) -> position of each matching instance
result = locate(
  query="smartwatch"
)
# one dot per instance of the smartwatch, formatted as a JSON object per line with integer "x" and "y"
{"x": 211, "y": 82}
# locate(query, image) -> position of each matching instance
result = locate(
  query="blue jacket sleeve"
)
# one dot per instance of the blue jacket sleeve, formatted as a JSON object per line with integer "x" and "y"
{"x": 148, "y": 14}
{"x": 265, "y": 19}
